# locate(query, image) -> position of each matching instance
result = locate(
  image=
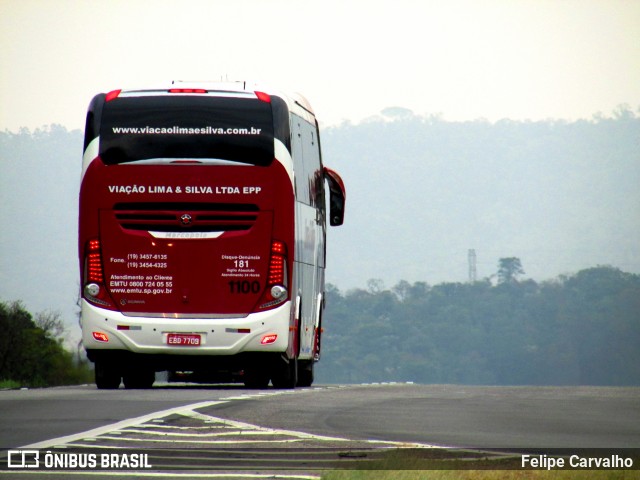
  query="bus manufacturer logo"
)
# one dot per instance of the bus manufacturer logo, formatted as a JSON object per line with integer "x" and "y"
{"x": 186, "y": 219}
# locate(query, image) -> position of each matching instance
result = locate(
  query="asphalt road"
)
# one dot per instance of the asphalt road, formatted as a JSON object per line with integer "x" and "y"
{"x": 475, "y": 417}
{"x": 36, "y": 415}
{"x": 479, "y": 417}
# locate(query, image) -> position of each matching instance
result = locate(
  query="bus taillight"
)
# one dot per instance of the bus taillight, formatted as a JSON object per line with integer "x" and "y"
{"x": 277, "y": 279}
{"x": 263, "y": 97}
{"x": 277, "y": 263}
{"x": 94, "y": 262}
{"x": 187, "y": 90}
{"x": 112, "y": 95}
{"x": 94, "y": 289}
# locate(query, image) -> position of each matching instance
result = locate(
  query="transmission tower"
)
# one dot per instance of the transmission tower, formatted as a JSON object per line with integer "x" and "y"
{"x": 473, "y": 273}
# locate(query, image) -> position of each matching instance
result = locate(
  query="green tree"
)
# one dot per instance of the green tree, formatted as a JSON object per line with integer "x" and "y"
{"x": 580, "y": 329}
{"x": 31, "y": 355}
{"x": 509, "y": 269}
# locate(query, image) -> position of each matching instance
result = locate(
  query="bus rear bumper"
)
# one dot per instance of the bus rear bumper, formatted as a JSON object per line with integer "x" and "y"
{"x": 104, "y": 329}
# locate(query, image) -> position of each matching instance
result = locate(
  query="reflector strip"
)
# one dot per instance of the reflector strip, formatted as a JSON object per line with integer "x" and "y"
{"x": 268, "y": 339}
{"x": 100, "y": 336}
{"x": 237, "y": 330}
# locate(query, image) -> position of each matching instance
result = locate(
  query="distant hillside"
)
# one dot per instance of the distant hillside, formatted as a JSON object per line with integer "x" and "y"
{"x": 421, "y": 191}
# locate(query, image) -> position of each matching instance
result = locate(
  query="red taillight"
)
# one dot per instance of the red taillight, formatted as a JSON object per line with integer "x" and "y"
{"x": 277, "y": 280}
{"x": 276, "y": 270}
{"x": 112, "y": 95}
{"x": 94, "y": 262}
{"x": 277, "y": 263}
{"x": 94, "y": 289}
{"x": 187, "y": 90}
{"x": 278, "y": 247}
{"x": 264, "y": 97}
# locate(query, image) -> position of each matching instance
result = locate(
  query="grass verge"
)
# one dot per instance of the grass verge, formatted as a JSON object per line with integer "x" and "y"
{"x": 482, "y": 475}
{"x": 5, "y": 384}
{"x": 445, "y": 464}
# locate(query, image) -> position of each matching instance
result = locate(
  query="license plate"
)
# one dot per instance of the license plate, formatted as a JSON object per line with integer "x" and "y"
{"x": 183, "y": 340}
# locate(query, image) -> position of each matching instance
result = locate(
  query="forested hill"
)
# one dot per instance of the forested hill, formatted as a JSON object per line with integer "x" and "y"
{"x": 582, "y": 329}
{"x": 422, "y": 191}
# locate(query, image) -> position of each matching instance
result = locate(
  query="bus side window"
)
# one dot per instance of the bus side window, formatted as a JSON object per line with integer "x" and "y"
{"x": 297, "y": 150}
{"x": 306, "y": 162}
{"x": 313, "y": 168}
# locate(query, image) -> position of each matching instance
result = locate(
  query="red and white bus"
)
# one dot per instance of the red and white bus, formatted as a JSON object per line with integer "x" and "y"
{"x": 202, "y": 234}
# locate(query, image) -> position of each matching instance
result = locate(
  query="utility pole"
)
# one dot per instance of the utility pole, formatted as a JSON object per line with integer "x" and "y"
{"x": 473, "y": 273}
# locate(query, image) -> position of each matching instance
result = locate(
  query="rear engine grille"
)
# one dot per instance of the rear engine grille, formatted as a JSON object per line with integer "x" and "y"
{"x": 186, "y": 217}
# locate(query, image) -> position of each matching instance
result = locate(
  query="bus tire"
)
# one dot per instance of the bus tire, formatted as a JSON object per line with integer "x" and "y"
{"x": 139, "y": 378}
{"x": 305, "y": 373}
{"x": 285, "y": 373}
{"x": 107, "y": 376}
{"x": 256, "y": 377}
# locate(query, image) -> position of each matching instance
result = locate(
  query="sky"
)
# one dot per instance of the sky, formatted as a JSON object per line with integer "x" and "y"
{"x": 459, "y": 59}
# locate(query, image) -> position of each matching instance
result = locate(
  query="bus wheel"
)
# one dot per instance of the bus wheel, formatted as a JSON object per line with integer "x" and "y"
{"x": 285, "y": 372}
{"x": 139, "y": 378}
{"x": 256, "y": 377}
{"x": 305, "y": 373}
{"x": 107, "y": 376}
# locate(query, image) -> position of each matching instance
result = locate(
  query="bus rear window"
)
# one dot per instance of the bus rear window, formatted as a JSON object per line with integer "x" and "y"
{"x": 184, "y": 127}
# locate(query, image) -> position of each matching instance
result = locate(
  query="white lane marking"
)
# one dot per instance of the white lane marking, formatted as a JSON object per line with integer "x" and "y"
{"x": 302, "y": 435}
{"x": 118, "y": 425}
{"x": 230, "y": 433}
{"x": 198, "y": 441}
{"x": 189, "y": 410}
{"x": 274, "y": 431}
{"x": 155, "y": 426}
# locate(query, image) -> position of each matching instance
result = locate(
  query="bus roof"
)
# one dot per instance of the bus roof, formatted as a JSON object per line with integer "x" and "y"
{"x": 296, "y": 102}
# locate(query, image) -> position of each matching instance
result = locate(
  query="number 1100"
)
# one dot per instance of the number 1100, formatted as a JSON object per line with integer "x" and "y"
{"x": 244, "y": 286}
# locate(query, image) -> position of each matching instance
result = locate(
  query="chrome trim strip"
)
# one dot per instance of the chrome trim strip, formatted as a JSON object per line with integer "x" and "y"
{"x": 205, "y": 316}
{"x": 185, "y": 235}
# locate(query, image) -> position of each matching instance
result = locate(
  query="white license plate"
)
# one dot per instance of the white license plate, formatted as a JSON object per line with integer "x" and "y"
{"x": 184, "y": 339}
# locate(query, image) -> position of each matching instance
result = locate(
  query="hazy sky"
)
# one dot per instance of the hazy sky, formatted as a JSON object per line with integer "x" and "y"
{"x": 464, "y": 59}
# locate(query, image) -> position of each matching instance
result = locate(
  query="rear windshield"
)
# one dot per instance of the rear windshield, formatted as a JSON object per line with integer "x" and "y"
{"x": 186, "y": 126}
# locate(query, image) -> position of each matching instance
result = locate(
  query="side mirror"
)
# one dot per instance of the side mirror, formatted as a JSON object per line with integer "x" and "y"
{"x": 337, "y": 196}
